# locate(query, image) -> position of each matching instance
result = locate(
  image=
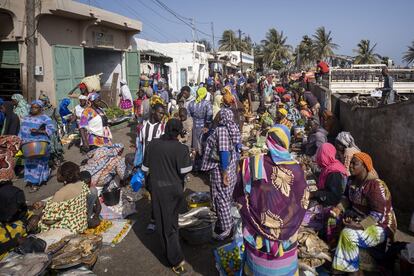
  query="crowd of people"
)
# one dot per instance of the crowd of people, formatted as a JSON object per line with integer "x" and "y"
{"x": 199, "y": 130}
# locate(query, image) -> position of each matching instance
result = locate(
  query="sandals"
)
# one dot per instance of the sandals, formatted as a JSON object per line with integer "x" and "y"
{"x": 34, "y": 189}
{"x": 180, "y": 269}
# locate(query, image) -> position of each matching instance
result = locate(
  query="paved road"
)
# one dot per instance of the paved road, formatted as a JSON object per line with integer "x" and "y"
{"x": 139, "y": 253}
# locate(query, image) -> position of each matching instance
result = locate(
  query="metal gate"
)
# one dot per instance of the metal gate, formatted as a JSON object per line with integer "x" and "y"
{"x": 133, "y": 71}
{"x": 69, "y": 69}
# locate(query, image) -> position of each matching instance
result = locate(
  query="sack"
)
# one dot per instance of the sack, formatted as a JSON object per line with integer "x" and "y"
{"x": 31, "y": 245}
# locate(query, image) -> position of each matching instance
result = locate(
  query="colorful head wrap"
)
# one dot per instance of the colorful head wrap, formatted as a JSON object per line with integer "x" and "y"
{"x": 228, "y": 98}
{"x": 37, "y": 102}
{"x": 201, "y": 94}
{"x": 303, "y": 103}
{"x": 94, "y": 96}
{"x": 366, "y": 159}
{"x": 278, "y": 143}
{"x": 283, "y": 111}
{"x": 326, "y": 159}
{"x": 83, "y": 97}
{"x": 287, "y": 97}
{"x": 44, "y": 97}
{"x": 155, "y": 99}
{"x": 280, "y": 89}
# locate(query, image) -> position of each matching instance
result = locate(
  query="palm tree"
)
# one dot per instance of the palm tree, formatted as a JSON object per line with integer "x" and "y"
{"x": 228, "y": 41}
{"x": 275, "y": 50}
{"x": 409, "y": 55}
{"x": 323, "y": 45}
{"x": 304, "y": 54}
{"x": 366, "y": 54}
{"x": 258, "y": 57}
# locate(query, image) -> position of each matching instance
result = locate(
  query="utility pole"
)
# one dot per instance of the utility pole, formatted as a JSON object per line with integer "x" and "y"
{"x": 30, "y": 93}
{"x": 241, "y": 53}
{"x": 212, "y": 33}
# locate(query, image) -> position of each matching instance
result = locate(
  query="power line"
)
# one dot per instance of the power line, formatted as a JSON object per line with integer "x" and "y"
{"x": 149, "y": 24}
{"x": 157, "y": 13}
{"x": 181, "y": 18}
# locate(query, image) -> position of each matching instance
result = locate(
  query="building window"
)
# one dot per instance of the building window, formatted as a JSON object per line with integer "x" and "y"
{"x": 201, "y": 49}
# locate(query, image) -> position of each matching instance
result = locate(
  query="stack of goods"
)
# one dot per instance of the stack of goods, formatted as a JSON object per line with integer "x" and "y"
{"x": 30, "y": 264}
{"x": 312, "y": 251}
{"x": 229, "y": 258}
{"x": 196, "y": 216}
{"x": 75, "y": 250}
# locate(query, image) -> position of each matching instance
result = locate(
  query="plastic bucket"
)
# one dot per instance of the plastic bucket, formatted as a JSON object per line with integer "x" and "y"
{"x": 35, "y": 149}
{"x": 112, "y": 197}
{"x": 198, "y": 234}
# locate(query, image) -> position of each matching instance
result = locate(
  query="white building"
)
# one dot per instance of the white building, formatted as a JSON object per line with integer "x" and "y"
{"x": 234, "y": 58}
{"x": 189, "y": 64}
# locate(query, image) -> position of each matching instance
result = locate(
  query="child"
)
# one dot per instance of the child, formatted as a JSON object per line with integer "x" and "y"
{"x": 187, "y": 121}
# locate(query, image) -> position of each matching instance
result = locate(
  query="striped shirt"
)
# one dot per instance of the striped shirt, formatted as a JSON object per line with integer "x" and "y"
{"x": 149, "y": 132}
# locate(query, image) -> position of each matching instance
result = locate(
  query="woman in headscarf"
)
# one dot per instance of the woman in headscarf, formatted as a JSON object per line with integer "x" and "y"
{"x": 369, "y": 218}
{"x": 93, "y": 125}
{"x": 220, "y": 160}
{"x": 36, "y": 127}
{"x": 217, "y": 104}
{"x": 305, "y": 110}
{"x": 125, "y": 102}
{"x": 56, "y": 147}
{"x": 346, "y": 148}
{"x": 68, "y": 117}
{"x": 281, "y": 118}
{"x": 11, "y": 124}
{"x": 21, "y": 108}
{"x": 230, "y": 101}
{"x": 105, "y": 164}
{"x": 333, "y": 176}
{"x": 202, "y": 113}
{"x": 274, "y": 198}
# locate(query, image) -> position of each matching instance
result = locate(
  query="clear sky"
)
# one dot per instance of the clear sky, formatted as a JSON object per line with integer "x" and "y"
{"x": 390, "y": 24}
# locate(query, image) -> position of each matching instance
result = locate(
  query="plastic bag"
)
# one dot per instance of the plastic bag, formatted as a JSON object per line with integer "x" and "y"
{"x": 137, "y": 180}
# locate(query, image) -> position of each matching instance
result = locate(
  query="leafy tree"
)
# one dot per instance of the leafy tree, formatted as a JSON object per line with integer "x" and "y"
{"x": 228, "y": 41}
{"x": 366, "y": 53}
{"x": 409, "y": 55}
{"x": 322, "y": 43}
{"x": 304, "y": 54}
{"x": 275, "y": 49}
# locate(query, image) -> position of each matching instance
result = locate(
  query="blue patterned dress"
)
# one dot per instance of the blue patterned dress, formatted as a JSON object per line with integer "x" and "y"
{"x": 36, "y": 170}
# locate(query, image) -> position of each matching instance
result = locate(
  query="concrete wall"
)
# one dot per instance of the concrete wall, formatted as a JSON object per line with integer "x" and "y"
{"x": 387, "y": 134}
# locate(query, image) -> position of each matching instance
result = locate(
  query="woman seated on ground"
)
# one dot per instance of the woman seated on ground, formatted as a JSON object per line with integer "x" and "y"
{"x": 332, "y": 179}
{"x": 317, "y": 136}
{"x": 274, "y": 199}
{"x": 346, "y": 148}
{"x": 15, "y": 220}
{"x": 67, "y": 209}
{"x": 106, "y": 164}
{"x": 368, "y": 214}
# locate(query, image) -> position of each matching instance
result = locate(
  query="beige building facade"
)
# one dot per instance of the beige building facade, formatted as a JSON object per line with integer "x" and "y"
{"x": 73, "y": 40}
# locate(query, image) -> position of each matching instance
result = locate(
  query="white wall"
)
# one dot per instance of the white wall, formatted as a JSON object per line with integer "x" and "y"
{"x": 183, "y": 58}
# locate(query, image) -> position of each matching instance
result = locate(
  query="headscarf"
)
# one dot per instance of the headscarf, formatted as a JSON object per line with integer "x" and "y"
{"x": 278, "y": 143}
{"x": 218, "y": 100}
{"x": 155, "y": 99}
{"x": 280, "y": 89}
{"x": 227, "y": 120}
{"x": 38, "y": 102}
{"x": 366, "y": 159}
{"x": 283, "y": 111}
{"x": 44, "y": 97}
{"x": 346, "y": 139}
{"x": 22, "y": 108}
{"x": 287, "y": 97}
{"x": 326, "y": 160}
{"x": 83, "y": 97}
{"x": 93, "y": 96}
{"x": 303, "y": 103}
{"x": 201, "y": 94}
{"x": 228, "y": 98}
{"x": 63, "y": 108}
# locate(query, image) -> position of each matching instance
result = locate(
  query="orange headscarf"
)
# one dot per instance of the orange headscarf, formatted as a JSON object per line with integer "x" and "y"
{"x": 366, "y": 159}
{"x": 228, "y": 98}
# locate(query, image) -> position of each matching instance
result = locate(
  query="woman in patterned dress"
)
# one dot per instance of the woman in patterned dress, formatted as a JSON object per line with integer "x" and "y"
{"x": 369, "y": 218}
{"x": 36, "y": 127}
{"x": 274, "y": 199}
{"x": 67, "y": 209}
{"x": 222, "y": 168}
